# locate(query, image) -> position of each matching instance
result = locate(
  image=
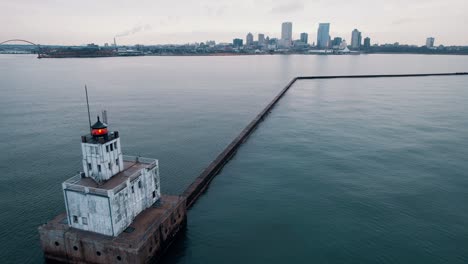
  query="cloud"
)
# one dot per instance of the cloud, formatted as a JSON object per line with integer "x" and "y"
{"x": 287, "y": 8}
{"x": 134, "y": 30}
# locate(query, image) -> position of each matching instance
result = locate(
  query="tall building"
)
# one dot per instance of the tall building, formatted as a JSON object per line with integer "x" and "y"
{"x": 304, "y": 38}
{"x": 323, "y": 35}
{"x": 261, "y": 39}
{"x": 367, "y": 43}
{"x": 237, "y": 43}
{"x": 286, "y": 34}
{"x": 430, "y": 42}
{"x": 249, "y": 39}
{"x": 356, "y": 39}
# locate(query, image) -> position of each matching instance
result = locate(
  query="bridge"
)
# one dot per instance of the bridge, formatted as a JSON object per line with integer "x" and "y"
{"x": 25, "y": 41}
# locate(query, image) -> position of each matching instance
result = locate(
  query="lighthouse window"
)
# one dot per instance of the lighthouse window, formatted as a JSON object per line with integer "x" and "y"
{"x": 115, "y": 145}
{"x": 133, "y": 189}
{"x": 99, "y": 168}
{"x": 110, "y": 166}
{"x": 112, "y": 147}
{"x": 117, "y": 161}
{"x": 89, "y": 166}
{"x": 139, "y": 184}
{"x": 75, "y": 219}
{"x": 107, "y": 148}
{"x": 85, "y": 221}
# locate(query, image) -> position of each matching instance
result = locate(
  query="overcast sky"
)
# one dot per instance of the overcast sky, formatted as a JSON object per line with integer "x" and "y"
{"x": 182, "y": 21}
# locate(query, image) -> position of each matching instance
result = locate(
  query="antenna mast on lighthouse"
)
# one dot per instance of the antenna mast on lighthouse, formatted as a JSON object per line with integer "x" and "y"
{"x": 87, "y": 103}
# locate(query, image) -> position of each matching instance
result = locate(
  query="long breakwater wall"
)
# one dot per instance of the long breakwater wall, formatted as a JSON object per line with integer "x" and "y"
{"x": 200, "y": 184}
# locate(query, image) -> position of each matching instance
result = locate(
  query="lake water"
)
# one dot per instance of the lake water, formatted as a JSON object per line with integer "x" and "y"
{"x": 342, "y": 171}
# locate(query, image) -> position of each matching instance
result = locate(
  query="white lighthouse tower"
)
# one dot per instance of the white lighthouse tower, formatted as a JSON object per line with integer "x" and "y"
{"x": 112, "y": 189}
{"x": 102, "y": 156}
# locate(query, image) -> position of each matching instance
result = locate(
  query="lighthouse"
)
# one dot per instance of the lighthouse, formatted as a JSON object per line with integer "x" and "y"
{"x": 114, "y": 209}
{"x": 112, "y": 189}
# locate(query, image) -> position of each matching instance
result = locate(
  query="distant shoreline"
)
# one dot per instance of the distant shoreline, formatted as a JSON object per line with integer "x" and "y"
{"x": 242, "y": 54}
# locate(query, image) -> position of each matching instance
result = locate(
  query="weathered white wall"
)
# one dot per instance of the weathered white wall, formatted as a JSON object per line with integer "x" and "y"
{"x": 95, "y": 208}
{"x": 97, "y": 154}
{"x": 127, "y": 204}
{"x": 112, "y": 215}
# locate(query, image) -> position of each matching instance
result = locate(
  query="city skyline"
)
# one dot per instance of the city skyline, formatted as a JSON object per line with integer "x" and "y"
{"x": 148, "y": 22}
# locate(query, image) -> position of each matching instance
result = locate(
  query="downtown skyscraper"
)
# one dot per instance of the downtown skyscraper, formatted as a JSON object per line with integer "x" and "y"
{"x": 367, "y": 43}
{"x": 323, "y": 35}
{"x": 356, "y": 39}
{"x": 286, "y": 34}
{"x": 304, "y": 38}
{"x": 261, "y": 39}
{"x": 249, "y": 39}
{"x": 430, "y": 42}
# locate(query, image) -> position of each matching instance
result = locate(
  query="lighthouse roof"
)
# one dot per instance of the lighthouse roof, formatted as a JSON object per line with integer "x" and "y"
{"x": 99, "y": 124}
{"x": 132, "y": 170}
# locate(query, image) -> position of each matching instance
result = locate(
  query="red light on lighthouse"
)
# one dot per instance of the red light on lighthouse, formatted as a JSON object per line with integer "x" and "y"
{"x": 99, "y": 132}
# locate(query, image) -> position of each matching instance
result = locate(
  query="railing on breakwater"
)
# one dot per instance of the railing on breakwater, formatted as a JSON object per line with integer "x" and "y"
{"x": 200, "y": 184}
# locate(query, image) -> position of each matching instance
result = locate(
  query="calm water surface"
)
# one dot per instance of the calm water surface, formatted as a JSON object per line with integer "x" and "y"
{"x": 344, "y": 171}
{"x": 341, "y": 171}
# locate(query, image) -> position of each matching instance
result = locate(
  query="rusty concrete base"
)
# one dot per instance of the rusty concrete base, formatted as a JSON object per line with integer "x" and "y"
{"x": 148, "y": 237}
